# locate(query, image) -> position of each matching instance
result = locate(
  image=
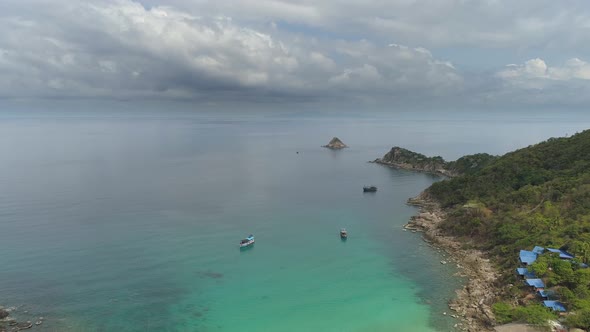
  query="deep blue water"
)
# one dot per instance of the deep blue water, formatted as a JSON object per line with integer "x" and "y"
{"x": 130, "y": 220}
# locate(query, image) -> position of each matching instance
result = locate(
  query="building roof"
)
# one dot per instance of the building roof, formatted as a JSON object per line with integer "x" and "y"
{"x": 523, "y": 271}
{"x": 555, "y": 305}
{"x": 537, "y": 283}
{"x": 545, "y": 293}
{"x": 538, "y": 250}
{"x": 527, "y": 257}
{"x": 562, "y": 254}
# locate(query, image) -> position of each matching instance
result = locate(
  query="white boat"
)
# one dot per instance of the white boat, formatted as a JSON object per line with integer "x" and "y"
{"x": 247, "y": 241}
{"x": 343, "y": 233}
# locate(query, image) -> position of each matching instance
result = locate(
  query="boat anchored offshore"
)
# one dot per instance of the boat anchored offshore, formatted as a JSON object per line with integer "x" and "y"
{"x": 247, "y": 241}
{"x": 369, "y": 189}
{"x": 343, "y": 233}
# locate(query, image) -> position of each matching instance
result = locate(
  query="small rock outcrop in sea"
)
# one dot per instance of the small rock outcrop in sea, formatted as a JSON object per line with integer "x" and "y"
{"x": 25, "y": 325}
{"x": 10, "y": 324}
{"x": 3, "y": 313}
{"x": 335, "y": 144}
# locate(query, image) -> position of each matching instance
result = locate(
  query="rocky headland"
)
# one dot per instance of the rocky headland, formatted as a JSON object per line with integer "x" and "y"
{"x": 405, "y": 159}
{"x": 466, "y": 215}
{"x": 473, "y": 302}
{"x": 335, "y": 144}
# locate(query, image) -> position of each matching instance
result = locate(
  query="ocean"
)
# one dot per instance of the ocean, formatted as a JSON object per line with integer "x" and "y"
{"x": 130, "y": 220}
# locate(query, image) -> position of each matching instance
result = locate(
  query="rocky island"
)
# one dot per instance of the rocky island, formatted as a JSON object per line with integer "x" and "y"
{"x": 335, "y": 144}
{"x": 490, "y": 209}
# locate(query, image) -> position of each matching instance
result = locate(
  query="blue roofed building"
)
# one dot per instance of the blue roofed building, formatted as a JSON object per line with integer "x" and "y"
{"x": 546, "y": 294}
{"x": 555, "y": 305}
{"x": 562, "y": 254}
{"x": 535, "y": 283}
{"x": 523, "y": 272}
{"x": 538, "y": 250}
{"x": 527, "y": 257}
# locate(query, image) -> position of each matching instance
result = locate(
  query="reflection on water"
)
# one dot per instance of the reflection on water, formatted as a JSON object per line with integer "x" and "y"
{"x": 136, "y": 217}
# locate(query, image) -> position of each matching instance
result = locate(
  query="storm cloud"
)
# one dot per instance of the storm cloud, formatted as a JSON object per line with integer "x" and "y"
{"x": 293, "y": 51}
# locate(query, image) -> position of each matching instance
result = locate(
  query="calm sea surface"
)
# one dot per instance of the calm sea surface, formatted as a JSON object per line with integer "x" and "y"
{"x": 129, "y": 221}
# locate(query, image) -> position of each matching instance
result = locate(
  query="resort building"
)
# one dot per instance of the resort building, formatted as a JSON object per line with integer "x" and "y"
{"x": 537, "y": 284}
{"x": 555, "y": 305}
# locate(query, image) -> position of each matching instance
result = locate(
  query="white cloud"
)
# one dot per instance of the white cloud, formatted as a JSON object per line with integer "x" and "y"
{"x": 573, "y": 69}
{"x": 357, "y": 77}
{"x": 122, "y": 49}
{"x": 434, "y": 23}
{"x": 530, "y": 70}
{"x": 536, "y": 83}
{"x": 536, "y": 70}
{"x": 299, "y": 49}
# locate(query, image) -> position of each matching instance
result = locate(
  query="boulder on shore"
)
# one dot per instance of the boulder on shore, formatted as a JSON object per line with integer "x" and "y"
{"x": 335, "y": 144}
{"x": 3, "y": 313}
{"x": 24, "y": 325}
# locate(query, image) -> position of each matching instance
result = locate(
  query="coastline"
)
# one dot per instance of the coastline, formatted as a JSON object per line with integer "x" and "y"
{"x": 473, "y": 302}
{"x": 410, "y": 167}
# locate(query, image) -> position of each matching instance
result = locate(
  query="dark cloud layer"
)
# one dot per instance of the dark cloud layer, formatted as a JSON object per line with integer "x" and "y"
{"x": 279, "y": 51}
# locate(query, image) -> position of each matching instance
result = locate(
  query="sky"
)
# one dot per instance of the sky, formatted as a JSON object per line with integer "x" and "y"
{"x": 369, "y": 53}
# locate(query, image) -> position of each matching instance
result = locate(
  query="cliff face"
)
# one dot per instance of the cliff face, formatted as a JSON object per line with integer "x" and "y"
{"x": 406, "y": 159}
{"x": 335, "y": 144}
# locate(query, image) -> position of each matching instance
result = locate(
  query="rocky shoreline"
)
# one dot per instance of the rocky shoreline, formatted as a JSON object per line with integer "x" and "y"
{"x": 412, "y": 167}
{"x": 405, "y": 159}
{"x": 473, "y": 303}
{"x": 10, "y": 324}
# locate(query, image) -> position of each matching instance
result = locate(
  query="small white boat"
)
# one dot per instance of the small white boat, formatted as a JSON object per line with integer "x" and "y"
{"x": 247, "y": 241}
{"x": 343, "y": 233}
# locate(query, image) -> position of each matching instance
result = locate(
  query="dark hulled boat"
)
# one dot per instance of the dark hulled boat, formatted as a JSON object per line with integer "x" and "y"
{"x": 247, "y": 241}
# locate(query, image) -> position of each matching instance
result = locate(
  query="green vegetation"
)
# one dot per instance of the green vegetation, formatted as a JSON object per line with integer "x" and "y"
{"x": 504, "y": 312}
{"x": 539, "y": 195}
{"x": 470, "y": 164}
{"x": 417, "y": 160}
{"x": 464, "y": 165}
{"x": 571, "y": 283}
{"x": 535, "y": 314}
{"x": 567, "y": 274}
{"x": 580, "y": 318}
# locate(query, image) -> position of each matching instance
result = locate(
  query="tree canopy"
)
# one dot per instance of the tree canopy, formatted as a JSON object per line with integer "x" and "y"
{"x": 538, "y": 195}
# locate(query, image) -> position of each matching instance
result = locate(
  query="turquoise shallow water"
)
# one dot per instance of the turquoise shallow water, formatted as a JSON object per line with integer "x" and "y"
{"x": 130, "y": 221}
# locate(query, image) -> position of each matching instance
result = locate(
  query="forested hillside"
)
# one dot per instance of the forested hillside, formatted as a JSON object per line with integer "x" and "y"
{"x": 539, "y": 195}
{"x": 406, "y": 159}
